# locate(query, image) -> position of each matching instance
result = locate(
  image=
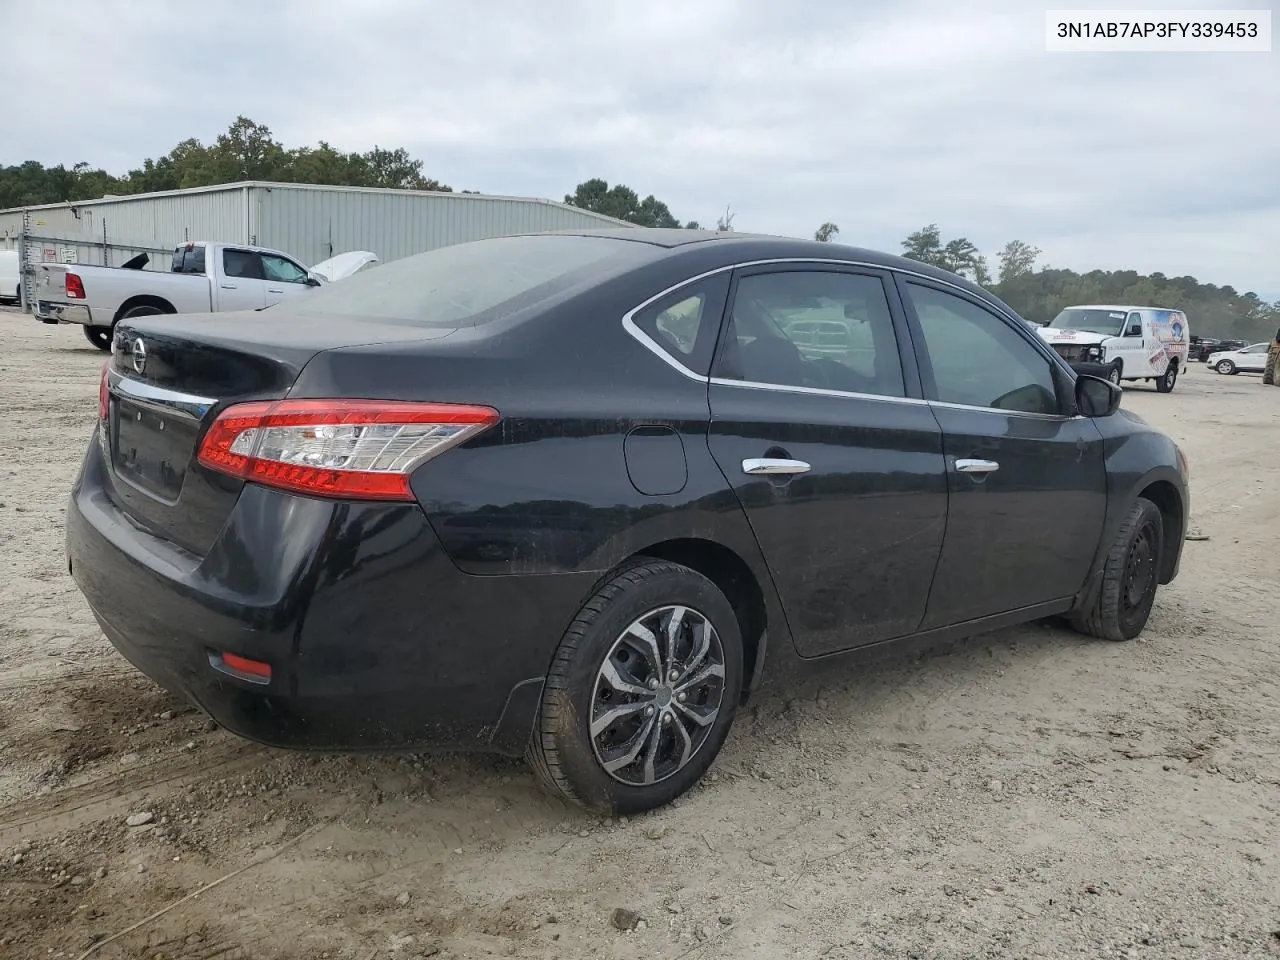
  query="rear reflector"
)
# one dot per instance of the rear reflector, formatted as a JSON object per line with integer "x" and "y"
{"x": 74, "y": 287}
{"x": 255, "y": 671}
{"x": 352, "y": 449}
{"x": 104, "y": 393}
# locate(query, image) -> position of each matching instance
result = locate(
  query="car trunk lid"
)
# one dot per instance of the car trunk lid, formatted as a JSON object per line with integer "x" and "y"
{"x": 170, "y": 376}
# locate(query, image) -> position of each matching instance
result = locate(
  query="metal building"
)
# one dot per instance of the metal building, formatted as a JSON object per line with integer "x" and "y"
{"x": 312, "y": 223}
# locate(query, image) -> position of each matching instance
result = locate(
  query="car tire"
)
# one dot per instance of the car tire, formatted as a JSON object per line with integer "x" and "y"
{"x": 1130, "y": 576}
{"x": 1114, "y": 374}
{"x": 1165, "y": 382}
{"x": 1225, "y": 367}
{"x": 603, "y": 659}
{"x": 100, "y": 337}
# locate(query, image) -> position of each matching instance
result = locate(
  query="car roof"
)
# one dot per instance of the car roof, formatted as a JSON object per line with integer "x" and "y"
{"x": 1117, "y": 306}
{"x": 734, "y": 246}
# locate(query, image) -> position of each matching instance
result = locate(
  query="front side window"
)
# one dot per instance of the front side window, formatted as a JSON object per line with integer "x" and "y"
{"x": 282, "y": 270}
{"x": 815, "y": 329}
{"x": 977, "y": 358}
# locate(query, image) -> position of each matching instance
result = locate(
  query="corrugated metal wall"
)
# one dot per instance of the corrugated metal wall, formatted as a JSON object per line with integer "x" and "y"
{"x": 310, "y": 223}
{"x": 132, "y": 224}
{"x": 314, "y": 224}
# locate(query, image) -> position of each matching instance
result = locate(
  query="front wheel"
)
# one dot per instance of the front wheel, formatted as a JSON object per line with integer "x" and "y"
{"x": 1130, "y": 575}
{"x": 100, "y": 337}
{"x": 641, "y": 692}
{"x": 1225, "y": 366}
{"x": 1165, "y": 383}
{"x": 1114, "y": 374}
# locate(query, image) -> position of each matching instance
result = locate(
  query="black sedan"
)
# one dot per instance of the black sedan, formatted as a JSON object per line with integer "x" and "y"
{"x": 577, "y": 495}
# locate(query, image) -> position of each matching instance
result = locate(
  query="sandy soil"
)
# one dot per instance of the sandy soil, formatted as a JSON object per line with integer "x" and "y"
{"x": 1025, "y": 794}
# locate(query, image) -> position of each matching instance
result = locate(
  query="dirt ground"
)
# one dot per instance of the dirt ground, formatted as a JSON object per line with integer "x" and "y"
{"x": 1029, "y": 793}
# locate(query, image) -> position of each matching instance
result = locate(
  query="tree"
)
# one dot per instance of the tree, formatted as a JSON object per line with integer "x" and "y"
{"x": 246, "y": 151}
{"x": 959, "y": 256}
{"x": 826, "y": 233}
{"x": 924, "y": 245}
{"x": 621, "y": 203}
{"x": 1017, "y": 259}
{"x": 725, "y": 223}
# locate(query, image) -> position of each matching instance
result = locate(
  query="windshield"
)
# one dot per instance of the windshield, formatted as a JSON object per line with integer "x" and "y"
{"x": 468, "y": 284}
{"x": 1110, "y": 322}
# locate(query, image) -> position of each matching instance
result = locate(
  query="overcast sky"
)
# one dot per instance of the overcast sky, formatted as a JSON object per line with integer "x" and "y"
{"x": 880, "y": 117}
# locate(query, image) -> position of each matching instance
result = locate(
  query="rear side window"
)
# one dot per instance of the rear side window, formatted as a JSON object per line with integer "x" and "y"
{"x": 685, "y": 323}
{"x": 469, "y": 284}
{"x": 188, "y": 260}
{"x": 813, "y": 329}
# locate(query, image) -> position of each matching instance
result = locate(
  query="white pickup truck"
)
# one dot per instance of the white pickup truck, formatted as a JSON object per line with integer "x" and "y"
{"x": 202, "y": 278}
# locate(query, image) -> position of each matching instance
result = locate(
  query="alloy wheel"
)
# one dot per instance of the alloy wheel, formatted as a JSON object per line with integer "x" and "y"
{"x": 656, "y": 696}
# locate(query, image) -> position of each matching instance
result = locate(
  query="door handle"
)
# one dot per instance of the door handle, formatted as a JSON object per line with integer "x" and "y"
{"x": 274, "y": 290}
{"x": 768, "y": 466}
{"x": 976, "y": 466}
{"x": 229, "y": 286}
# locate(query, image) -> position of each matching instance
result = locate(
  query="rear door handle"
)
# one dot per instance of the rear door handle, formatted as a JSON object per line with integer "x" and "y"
{"x": 767, "y": 466}
{"x": 977, "y": 466}
{"x": 275, "y": 290}
{"x": 229, "y": 286}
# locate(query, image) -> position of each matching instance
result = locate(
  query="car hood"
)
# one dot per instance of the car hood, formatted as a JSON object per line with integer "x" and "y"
{"x": 1070, "y": 336}
{"x": 343, "y": 265}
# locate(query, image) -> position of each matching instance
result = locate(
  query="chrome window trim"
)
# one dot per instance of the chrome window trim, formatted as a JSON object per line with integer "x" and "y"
{"x": 629, "y": 324}
{"x": 813, "y": 391}
{"x": 159, "y": 398}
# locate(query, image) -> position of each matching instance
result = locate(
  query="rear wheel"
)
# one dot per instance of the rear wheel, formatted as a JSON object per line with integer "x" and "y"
{"x": 1130, "y": 576}
{"x": 1165, "y": 383}
{"x": 1225, "y": 366}
{"x": 642, "y": 691}
{"x": 100, "y": 337}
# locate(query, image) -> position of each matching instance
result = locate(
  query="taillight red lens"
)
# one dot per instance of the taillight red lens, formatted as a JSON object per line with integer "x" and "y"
{"x": 353, "y": 449}
{"x": 104, "y": 393}
{"x": 74, "y": 287}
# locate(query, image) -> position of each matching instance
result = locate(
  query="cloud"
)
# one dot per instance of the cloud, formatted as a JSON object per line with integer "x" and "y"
{"x": 881, "y": 118}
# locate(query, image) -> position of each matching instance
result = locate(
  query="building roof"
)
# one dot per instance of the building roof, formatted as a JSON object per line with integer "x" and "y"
{"x": 319, "y": 188}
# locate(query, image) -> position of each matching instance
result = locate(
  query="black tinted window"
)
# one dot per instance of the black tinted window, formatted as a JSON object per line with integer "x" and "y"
{"x": 818, "y": 329}
{"x": 473, "y": 283}
{"x": 188, "y": 261}
{"x": 241, "y": 263}
{"x": 977, "y": 358}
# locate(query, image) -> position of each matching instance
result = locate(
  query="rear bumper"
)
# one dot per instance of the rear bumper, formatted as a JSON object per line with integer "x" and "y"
{"x": 376, "y": 640}
{"x": 46, "y": 311}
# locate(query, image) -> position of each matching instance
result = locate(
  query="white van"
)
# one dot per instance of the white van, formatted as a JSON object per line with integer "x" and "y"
{"x": 1122, "y": 343}
{"x": 9, "y": 276}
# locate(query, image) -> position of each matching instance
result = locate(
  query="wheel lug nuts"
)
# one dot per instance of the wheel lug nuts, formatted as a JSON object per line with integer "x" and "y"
{"x": 674, "y": 676}
{"x": 683, "y": 697}
{"x": 653, "y": 683}
{"x": 648, "y": 711}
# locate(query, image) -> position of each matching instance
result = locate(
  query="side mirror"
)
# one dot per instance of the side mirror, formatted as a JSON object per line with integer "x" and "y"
{"x": 311, "y": 282}
{"x": 1096, "y": 397}
{"x": 1134, "y": 331}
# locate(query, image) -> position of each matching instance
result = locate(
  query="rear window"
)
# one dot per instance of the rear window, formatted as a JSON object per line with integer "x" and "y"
{"x": 469, "y": 284}
{"x": 188, "y": 260}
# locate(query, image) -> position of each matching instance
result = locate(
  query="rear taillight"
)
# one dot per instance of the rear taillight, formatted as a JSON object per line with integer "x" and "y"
{"x": 354, "y": 449}
{"x": 104, "y": 393}
{"x": 74, "y": 287}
